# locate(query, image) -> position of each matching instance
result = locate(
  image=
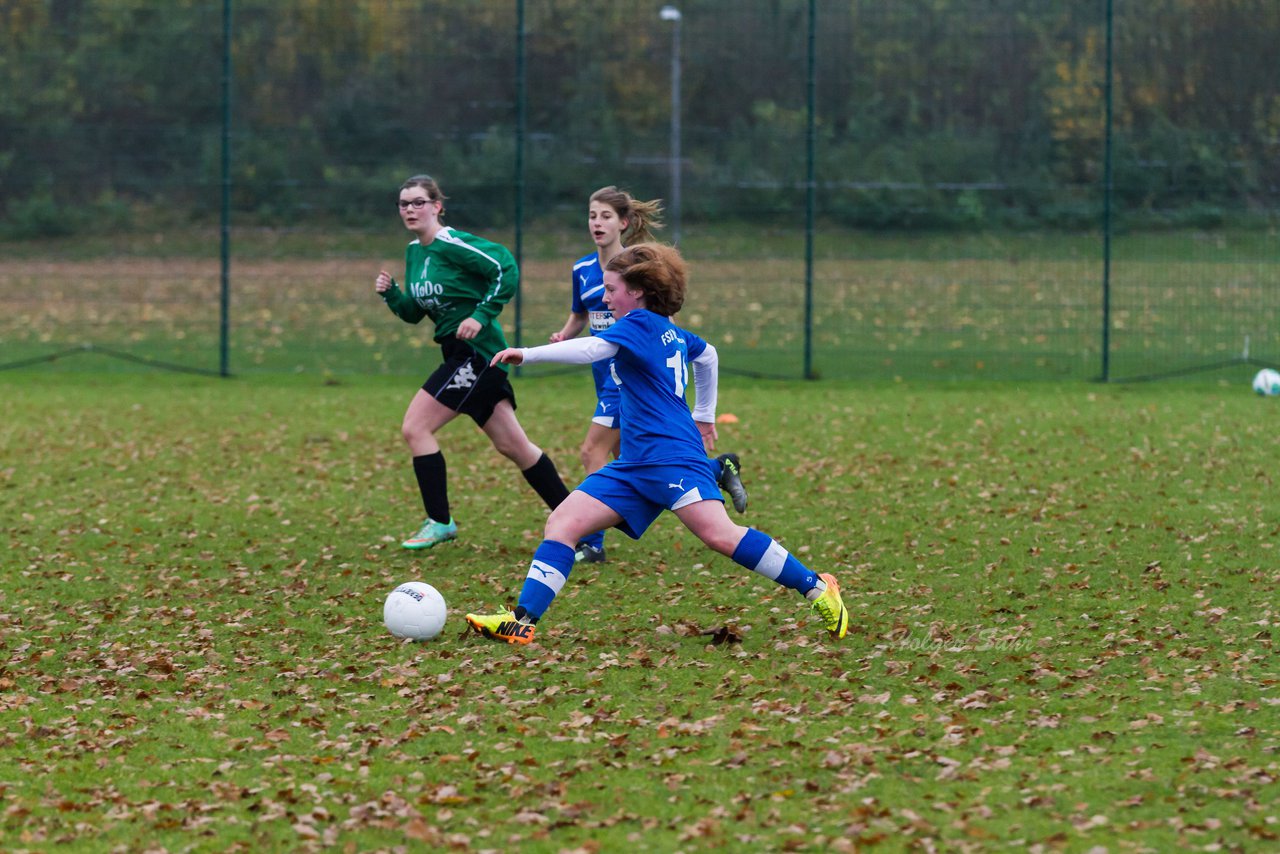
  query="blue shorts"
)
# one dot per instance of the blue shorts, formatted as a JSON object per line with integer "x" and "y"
{"x": 608, "y": 396}
{"x": 639, "y": 492}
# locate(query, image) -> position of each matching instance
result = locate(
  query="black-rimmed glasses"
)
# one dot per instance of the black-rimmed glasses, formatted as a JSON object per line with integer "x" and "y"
{"x": 416, "y": 204}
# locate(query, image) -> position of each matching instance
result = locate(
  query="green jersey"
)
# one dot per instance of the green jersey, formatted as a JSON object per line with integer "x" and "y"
{"x": 456, "y": 276}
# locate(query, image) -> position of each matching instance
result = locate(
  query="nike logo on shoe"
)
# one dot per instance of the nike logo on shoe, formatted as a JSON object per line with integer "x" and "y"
{"x": 515, "y": 631}
{"x": 501, "y": 627}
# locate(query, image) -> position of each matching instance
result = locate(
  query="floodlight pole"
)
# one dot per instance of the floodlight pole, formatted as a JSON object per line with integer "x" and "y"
{"x": 522, "y": 123}
{"x": 671, "y": 13}
{"x": 810, "y": 186}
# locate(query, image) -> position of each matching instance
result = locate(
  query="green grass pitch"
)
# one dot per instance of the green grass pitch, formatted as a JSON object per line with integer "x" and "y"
{"x": 1064, "y": 626}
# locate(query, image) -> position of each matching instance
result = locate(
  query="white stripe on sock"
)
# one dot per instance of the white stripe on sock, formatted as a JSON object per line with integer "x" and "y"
{"x": 772, "y": 561}
{"x": 545, "y": 573}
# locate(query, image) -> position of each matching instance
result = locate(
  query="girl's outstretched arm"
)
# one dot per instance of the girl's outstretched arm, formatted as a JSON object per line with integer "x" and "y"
{"x": 575, "y": 351}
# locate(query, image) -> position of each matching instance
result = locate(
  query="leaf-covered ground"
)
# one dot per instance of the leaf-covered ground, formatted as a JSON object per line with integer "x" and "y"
{"x": 1064, "y": 631}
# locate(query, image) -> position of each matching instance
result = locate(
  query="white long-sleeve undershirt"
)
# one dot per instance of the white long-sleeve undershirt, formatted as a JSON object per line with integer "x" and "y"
{"x": 575, "y": 351}
{"x": 706, "y": 376}
{"x": 584, "y": 351}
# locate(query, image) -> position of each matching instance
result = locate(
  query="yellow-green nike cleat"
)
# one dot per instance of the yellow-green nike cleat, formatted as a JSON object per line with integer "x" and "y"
{"x": 502, "y": 627}
{"x": 830, "y": 608}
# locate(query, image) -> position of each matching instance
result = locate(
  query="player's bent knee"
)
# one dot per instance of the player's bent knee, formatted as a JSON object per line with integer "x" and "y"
{"x": 523, "y": 454}
{"x": 561, "y": 529}
{"x": 413, "y": 433}
{"x": 724, "y": 540}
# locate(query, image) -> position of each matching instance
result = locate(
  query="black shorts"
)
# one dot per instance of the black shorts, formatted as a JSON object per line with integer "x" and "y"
{"x": 466, "y": 384}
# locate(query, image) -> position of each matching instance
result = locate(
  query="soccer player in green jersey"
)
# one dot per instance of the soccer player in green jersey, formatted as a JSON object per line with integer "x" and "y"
{"x": 461, "y": 283}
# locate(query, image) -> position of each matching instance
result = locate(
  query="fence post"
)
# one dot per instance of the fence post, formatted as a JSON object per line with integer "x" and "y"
{"x": 224, "y": 322}
{"x": 1106, "y": 207}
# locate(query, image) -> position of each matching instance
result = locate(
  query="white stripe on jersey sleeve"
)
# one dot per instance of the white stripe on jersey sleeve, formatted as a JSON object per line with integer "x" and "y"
{"x": 448, "y": 236}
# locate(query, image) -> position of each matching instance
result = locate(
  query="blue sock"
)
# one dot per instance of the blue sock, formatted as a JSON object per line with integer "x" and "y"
{"x": 548, "y": 571}
{"x": 759, "y": 552}
{"x": 596, "y": 540}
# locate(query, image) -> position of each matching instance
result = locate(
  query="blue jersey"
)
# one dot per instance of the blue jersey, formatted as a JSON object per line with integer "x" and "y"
{"x": 651, "y": 369}
{"x": 587, "y": 286}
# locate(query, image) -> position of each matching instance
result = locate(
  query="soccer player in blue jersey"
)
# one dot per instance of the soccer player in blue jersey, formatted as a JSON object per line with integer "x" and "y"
{"x": 662, "y": 462}
{"x": 615, "y": 218}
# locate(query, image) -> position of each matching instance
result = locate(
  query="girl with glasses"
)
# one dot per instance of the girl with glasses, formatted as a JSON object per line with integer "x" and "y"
{"x": 460, "y": 282}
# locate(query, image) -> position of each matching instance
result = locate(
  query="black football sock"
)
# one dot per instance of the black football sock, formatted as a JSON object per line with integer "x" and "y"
{"x": 433, "y": 484}
{"x": 545, "y": 480}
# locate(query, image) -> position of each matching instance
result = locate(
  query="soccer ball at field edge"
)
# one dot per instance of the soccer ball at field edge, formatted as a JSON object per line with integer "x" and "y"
{"x": 414, "y": 610}
{"x": 1267, "y": 382}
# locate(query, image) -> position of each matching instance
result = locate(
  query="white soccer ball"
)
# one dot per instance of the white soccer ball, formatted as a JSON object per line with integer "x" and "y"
{"x": 1267, "y": 382}
{"x": 414, "y": 610}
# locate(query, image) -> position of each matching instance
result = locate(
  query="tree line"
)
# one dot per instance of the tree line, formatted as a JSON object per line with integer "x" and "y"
{"x": 928, "y": 113}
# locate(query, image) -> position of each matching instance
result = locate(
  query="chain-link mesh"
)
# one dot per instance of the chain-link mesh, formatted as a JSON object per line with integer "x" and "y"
{"x": 958, "y": 172}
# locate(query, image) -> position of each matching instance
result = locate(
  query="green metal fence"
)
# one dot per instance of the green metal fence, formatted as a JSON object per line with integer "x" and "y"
{"x": 950, "y": 188}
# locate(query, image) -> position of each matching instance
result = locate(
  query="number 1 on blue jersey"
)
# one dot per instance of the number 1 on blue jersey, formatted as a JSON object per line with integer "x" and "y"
{"x": 678, "y": 367}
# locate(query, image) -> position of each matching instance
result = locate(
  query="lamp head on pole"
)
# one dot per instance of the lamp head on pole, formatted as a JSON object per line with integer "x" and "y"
{"x": 669, "y": 13}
